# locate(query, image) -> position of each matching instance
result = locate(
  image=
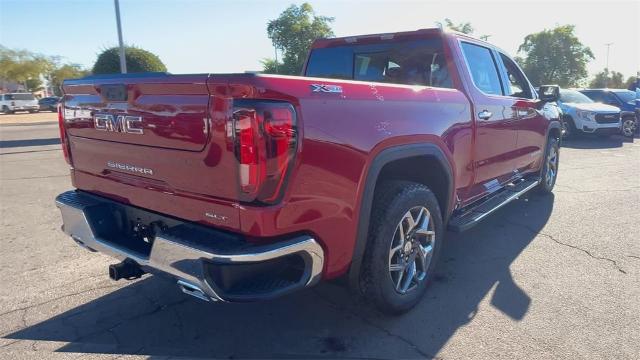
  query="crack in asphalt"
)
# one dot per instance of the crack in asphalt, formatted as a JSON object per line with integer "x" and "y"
{"x": 375, "y": 326}
{"x": 634, "y": 257}
{"x": 28, "y": 151}
{"x": 551, "y": 237}
{"x": 579, "y": 191}
{"x": 110, "y": 330}
{"x": 56, "y": 299}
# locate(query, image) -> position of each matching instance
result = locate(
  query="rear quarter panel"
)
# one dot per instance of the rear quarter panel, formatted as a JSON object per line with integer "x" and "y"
{"x": 342, "y": 133}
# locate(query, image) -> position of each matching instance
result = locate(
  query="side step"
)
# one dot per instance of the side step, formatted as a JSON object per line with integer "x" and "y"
{"x": 468, "y": 218}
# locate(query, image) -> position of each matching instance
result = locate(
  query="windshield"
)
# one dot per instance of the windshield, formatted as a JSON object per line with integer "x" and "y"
{"x": 19, "y": 97}
{"x": 625, "y": 95}
{"x": 572, "y": 96}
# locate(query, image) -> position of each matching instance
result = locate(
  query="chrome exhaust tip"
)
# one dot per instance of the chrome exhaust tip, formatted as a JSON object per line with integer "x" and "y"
{"x": 193, "y": 290}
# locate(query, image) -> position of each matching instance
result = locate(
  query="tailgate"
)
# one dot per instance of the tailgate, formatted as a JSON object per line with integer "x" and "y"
{"x": 159, "y": 111}
{"x": 145, "y": 135}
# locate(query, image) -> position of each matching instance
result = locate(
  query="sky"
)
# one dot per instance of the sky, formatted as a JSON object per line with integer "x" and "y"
{"x": 200, "y": 36}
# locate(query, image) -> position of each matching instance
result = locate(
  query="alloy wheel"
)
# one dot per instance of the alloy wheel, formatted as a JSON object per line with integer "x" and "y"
{"x": 412, "y": 249}
{"x": 628, "y": 127}
{"x": 552, "y": 166}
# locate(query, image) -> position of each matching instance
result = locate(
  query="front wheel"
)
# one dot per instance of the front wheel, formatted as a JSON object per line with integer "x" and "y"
{"x": 405, "y": 238}
{"x": 549, "y": 172}
{"x": 628, "y": 126}
{"x": 568, "y": 128}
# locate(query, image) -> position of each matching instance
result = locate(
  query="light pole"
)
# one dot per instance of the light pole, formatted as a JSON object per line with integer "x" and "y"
{"x": 123, "y": 60}
{"x": 275, "y": 49}
{"x": 606, "y": 69}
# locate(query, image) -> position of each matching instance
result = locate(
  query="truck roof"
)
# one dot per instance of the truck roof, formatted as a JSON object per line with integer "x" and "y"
{"x": 401, "y": 35}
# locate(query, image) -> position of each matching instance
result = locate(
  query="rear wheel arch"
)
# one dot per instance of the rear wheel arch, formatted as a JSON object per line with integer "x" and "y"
{"x": 422, "y": 158}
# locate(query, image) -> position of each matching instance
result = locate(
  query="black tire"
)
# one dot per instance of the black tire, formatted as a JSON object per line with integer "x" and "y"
{"x": 568, "y": 127}
{"x": 5, "y": 109}
{"x": 393, "y": 200}
{"x": 628, "y": 126}
{"x": 547, "y": 182}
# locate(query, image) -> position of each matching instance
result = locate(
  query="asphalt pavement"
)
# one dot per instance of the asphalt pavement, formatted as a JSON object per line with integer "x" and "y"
{"x": 551, "y": 277}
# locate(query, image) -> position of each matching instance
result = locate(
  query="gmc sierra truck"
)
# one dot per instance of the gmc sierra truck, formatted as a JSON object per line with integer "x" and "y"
{"x": 244, "y": 187}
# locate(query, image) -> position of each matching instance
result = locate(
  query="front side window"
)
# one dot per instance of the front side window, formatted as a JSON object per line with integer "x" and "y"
{"x": 483, "y": 68}
{"x": 595, "y": 96}
{"x": 419, "y": 62}
{"x": 518, "y": 85}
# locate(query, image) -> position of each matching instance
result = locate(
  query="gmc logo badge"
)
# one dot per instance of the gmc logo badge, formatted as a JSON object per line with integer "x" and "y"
{"x": 121, "y": 123}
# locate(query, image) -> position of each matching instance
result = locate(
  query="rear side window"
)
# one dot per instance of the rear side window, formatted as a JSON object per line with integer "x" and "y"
{"x": 419, "y": 62}
{"x": 25, "y": 96}
{"x": 483, "y": 68}
{"x": 334, "y": 62}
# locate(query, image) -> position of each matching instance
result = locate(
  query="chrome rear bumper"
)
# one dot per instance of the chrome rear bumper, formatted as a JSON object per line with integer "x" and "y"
{"x": 193, "y": 254}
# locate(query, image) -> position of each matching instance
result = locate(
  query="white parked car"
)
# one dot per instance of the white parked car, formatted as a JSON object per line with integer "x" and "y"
{"x": 10, "y": 103}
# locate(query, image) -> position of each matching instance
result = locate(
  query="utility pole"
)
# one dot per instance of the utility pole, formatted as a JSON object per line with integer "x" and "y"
{"x": 123, "y": 60}
{"x": 606, "y": 69}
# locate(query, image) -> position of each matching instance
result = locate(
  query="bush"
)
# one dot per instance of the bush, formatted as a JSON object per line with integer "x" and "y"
{"x": 138, "y": 60}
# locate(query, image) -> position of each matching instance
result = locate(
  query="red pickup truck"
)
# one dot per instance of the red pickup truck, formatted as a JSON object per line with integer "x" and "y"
{"x": 245, "y": 187}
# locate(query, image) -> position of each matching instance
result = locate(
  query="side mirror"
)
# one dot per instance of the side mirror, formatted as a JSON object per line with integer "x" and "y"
{"x": 549, "y": 93}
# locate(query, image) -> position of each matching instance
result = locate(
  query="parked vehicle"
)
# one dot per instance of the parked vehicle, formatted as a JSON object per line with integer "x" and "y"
{"x": 355, "y": 169}
{"x": 10, "y": 103}
{"x": 625, "y": 100}
{"x": 49, "y": 103}
{"x": 583, "y": 115}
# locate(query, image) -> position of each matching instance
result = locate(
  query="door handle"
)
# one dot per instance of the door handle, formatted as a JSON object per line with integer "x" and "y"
{"x": 484, "y": 114}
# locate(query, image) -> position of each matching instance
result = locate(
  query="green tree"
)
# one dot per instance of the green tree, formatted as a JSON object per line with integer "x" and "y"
{"x": 613, "y": 80}
{"x": 555, "y": 56}
{"x": 630, "y": 80}
{"x": 23, "y": 66}
{"x": 33, "y": 85}
{"x": 292, "y": 33}
{"x": 62, "y": 72}
{"x": 138, "y": 60}
{"x": 465, "y": 28}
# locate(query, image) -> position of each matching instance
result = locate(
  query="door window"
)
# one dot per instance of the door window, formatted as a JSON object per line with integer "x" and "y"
{"x": 518, "y": 85}
{"x": 419, "y": 62}
{"x": 483, "y": 68}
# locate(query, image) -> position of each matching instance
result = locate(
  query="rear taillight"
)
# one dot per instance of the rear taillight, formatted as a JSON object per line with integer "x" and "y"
{"x": 265, "y": 142}
{"x": 63, "y": 135}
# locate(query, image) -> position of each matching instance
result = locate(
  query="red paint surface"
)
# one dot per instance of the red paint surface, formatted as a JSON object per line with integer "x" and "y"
{"x": 186, "y": 143}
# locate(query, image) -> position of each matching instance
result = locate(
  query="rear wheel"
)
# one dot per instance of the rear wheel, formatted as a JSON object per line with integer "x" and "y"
{"x": 404, "y": 242}
{"x": 549, "y": 172}
{"x": 5, "y": 109}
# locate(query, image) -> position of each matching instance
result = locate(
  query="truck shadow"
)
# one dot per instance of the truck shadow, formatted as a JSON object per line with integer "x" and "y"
{"x": 28, "y": 142}
{"x": 151, "y": 317}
